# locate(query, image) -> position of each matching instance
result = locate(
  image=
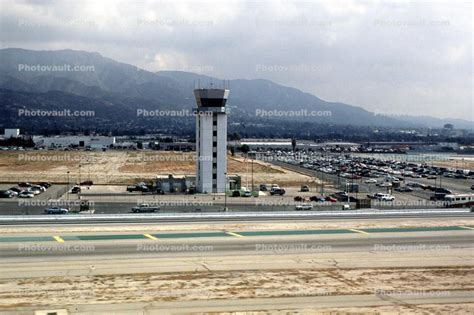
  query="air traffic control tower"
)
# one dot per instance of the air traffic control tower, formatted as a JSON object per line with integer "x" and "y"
{"x": 211, "y": 140}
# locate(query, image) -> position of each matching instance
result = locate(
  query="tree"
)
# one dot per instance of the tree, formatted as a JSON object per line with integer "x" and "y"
{"x": 245, "y": 148}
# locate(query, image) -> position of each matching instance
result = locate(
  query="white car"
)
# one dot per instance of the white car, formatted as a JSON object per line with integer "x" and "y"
{"x": 26, "y": 194}
{"x": 12, "y": 192}
{"x": 41, "y": 188}
{"x": 247, "y": 193}
{"x": 386, "y": 184}
{"x": 34, "y": 191}
{"x": 304, "y": 206}
{"x": 371, "y": 181}
{"x": 387, "y": 198}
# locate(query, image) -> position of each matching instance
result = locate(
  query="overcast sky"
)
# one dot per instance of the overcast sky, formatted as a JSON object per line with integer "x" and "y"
{"x": 398, "y": 57}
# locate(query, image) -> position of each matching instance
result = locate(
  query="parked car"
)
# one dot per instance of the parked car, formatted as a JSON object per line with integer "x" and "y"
{"x": 317, "y": 199}
{"x": 331, "y": 199}
{"x": 247, "y": 193}
{"x": 442, "y": 190}
{"x": 24, "y": 185}
{"x": 34, "y": 191}
{"x": 236, "y": 193}
{"x": 304, "y": 206}
{"x": 277, "y": 191}
{"x": 26, "y": 194}
{"x": 144, "y": 207}
{"x": 304, "y": 188}
{"x": 45, "y": 184}
{"x": 16, "y": 189}
{"x": 6, "y": 194}
{"x": 384, "y": 197}
{"x": 56, "y": 210}
{"x": 371, "y": 181}
{"x": 41, "y": 188}
{"x": 75, "y": 189}
{"x": 263, "y": 187}
{"x": 404, "y": 189}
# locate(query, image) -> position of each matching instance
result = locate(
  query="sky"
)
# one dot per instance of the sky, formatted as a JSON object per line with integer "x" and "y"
{"x": 389, "y": 57}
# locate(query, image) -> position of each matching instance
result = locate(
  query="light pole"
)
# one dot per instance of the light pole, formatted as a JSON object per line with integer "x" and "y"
{"x": 67, "y": 188}
{"x": 225, "y": 192}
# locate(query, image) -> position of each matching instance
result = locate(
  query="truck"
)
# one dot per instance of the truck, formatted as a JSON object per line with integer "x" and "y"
{"x": 144, "y": 207}
{"x": 138, "y": 187}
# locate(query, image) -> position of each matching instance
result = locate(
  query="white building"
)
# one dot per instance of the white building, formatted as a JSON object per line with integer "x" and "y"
{"x": 211, "y": 140}
{"x": 11, "y": 133}
{"x": 94, "y": 142}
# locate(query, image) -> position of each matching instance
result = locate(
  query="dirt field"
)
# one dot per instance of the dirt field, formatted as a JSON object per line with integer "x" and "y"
{"x": 237, "y": 284}
{"x": 127, "y": 167}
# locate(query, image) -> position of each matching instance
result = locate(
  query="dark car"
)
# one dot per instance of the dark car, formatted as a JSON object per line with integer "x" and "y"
{"x": 317, "y": 199}
{"x": 5, "y": 194}
{"x": 442, "y": 190}
{"x": 404, "y": 189}
{"x": 24, "y": 185}
{"x": 236, "y": 193}
{"x": 75, "y": 190}
{"x": 16, "y": 189}
{"x": 45, "y": 184}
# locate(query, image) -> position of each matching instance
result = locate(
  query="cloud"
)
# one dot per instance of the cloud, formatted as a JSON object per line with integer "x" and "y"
{"x": 398, "y": 57}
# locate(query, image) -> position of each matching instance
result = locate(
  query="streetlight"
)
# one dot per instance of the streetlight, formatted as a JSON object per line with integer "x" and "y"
{"x": 225, "y": 192}
{"x": 67, "y": 188}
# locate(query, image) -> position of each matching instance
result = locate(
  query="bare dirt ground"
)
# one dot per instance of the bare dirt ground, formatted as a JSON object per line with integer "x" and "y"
{"x": 127, "y": 167}
{"x": 237, "y": 284}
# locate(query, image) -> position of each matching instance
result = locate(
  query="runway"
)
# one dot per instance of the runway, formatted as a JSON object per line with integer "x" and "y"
{"x": 172, "y": 272}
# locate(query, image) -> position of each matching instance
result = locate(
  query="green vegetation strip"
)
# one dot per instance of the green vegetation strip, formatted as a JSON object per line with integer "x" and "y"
{"x": 191, "y": 235}
{"x": 27, "y": 239}
{"x": 107, "y": 237}
{"x": 414, "y": 229}
{"x": 294, "y": 232}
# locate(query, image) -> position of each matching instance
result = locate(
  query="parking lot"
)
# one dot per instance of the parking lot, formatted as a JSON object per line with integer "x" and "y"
{"x": 416, "y": 183}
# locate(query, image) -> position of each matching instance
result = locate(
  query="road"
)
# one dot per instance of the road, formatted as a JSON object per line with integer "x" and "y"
{"x": 233, "y": 216}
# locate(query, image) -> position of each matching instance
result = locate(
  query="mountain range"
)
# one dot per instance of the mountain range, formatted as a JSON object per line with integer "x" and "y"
{"x": 115, "y": 91}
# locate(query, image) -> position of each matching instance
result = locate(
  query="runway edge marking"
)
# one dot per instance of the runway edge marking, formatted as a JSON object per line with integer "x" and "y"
{"x": 233, "y": 234}
{"x": 359, "y": 231}
{"x": 150, "y": 237}
{"x": 58, "y": 239}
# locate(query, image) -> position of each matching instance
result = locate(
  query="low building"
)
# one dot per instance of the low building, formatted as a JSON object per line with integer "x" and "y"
{"x": 93, "y": 142}
{"x": 170, "y": 184}
{"x": 11, "y": 133}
